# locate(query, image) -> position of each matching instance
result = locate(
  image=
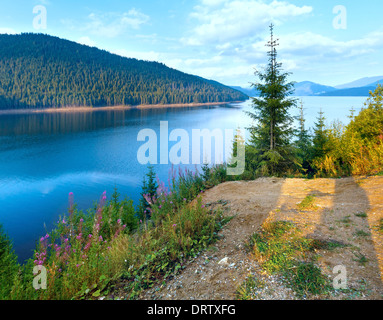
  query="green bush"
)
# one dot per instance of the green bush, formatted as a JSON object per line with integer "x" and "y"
{"x": 8, "y": 265}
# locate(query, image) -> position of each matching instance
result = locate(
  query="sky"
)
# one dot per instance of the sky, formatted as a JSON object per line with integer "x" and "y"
{"x": 324, "y": 41}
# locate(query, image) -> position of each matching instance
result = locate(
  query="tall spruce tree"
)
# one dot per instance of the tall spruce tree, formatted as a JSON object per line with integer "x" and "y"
{"x": 149, "y": 188}
{"x": 271, "y": 135}
{"x": 303, "y": 142}
{"x": 320, "y": 139}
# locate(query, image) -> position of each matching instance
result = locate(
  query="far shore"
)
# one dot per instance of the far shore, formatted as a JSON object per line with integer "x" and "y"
{"x": 91, "y": 109}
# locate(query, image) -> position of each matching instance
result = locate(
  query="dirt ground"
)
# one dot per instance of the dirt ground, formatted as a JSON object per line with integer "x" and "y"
{"x": 219, "y": 271}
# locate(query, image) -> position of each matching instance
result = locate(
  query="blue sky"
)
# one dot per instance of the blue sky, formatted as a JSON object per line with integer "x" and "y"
{"x": 220, "y": 39}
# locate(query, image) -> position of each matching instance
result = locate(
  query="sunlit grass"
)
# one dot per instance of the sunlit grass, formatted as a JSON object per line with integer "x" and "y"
{"x": 280, "y": 248}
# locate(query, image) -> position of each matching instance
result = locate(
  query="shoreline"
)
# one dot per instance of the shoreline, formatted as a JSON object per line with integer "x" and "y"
{"x": 123, "y": 108}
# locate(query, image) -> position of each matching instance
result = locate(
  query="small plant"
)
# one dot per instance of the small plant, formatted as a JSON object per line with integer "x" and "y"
{"x": 280, "y": 248}
{"x": 321, "y": 244}
{"x": 308, "y": 203}
{"x": 380, "y": 226}
{"x": 361, "y": 215}
{"x": 306, "y": 278}
{"x": 361, "y": 233}
{"x": 277, "y": 245}
{"x": 247, "y": 290}
{"x": 346, "y": 221}
{"x": 361, "y": 258}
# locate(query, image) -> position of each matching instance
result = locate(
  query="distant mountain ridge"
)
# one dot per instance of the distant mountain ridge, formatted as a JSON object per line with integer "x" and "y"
{"x": 42, "y": 71}
{"x": 308, "y": 88}
{"x": 363, "y": 82}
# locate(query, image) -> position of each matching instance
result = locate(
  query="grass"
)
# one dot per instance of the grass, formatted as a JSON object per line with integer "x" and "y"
{"x": 280, "y": 248}
{"x": 361, "y": 215}
{"x": 380, "y": 226}
{"x": 346, "y": 221}
{"x": 305, "y": 278}
{"x": 360, "y": 258}
{"x": 161, "y": 252}
{"x": 362, "y": 233}
{"x": 248, "y": 289}
{"x": 108, "y": 248}
{"x": 308, "y": 203}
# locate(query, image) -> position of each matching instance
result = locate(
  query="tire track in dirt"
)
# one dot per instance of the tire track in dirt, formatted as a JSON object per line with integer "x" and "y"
{"x": 217, "y": 272}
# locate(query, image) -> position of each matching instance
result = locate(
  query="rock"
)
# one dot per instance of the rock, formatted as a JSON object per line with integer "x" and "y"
{"x": 224, "y": 261}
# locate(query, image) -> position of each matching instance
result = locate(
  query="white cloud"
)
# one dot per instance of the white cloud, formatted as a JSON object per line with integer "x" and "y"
{"x": 223, "y": 21}
{"x": 314, "y": 45}
{"x": 110, "y": 24}
{"x": 114, "y": 24}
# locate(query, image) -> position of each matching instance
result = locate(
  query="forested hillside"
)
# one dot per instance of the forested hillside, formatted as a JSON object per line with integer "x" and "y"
{"x": 41, "y": 71}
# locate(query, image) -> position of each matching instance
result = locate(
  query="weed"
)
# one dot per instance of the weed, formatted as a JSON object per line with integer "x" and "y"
{"x": 321, "y": 244}
{"x": 361, "y": 258}
{"x": 380, "y": 226}
{"x": 280, "y": 248}
{"x": 361, "y": 215}
{"x": 362, "y": 233}
{"x": 346, "y": 221}
{"x": 247, "y": 290}
{"x": 306, "y": 278}
{"x": 308, "y": 203}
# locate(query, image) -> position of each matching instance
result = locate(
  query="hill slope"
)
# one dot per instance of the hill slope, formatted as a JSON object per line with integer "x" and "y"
{"x": 363, "y": 82}
{"x": 40, "y": 71}
{"x": 350, "y": 92}
{"x": 347, "y": 212}
{"x": 308, "y": 88}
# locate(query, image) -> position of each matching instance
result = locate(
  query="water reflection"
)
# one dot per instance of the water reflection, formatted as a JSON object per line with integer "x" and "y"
{"x": 73, "y": 122}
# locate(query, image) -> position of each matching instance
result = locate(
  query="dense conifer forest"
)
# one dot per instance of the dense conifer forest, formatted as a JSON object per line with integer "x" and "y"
{"x": 41, "y": 71}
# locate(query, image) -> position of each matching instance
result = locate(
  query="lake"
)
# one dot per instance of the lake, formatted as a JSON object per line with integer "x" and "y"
{"x": 46, "y": 156}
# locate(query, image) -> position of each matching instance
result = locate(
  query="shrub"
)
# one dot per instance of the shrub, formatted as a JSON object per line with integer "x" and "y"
{"x": 8, "y": 265}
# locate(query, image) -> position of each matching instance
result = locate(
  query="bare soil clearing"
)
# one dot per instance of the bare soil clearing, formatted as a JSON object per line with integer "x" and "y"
{"x": 346, "y": 210}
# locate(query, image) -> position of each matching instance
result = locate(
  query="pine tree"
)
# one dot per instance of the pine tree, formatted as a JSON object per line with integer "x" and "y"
{"x": 149, "y": 188}
{"x": 303, "y": 143}
{"x": 271, "y": 136}
{"x": 320, "y": 139}
{"x": 8, "y": 265}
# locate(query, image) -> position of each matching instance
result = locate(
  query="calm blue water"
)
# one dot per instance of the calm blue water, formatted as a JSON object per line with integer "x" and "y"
{"x": 44, "y": 157}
